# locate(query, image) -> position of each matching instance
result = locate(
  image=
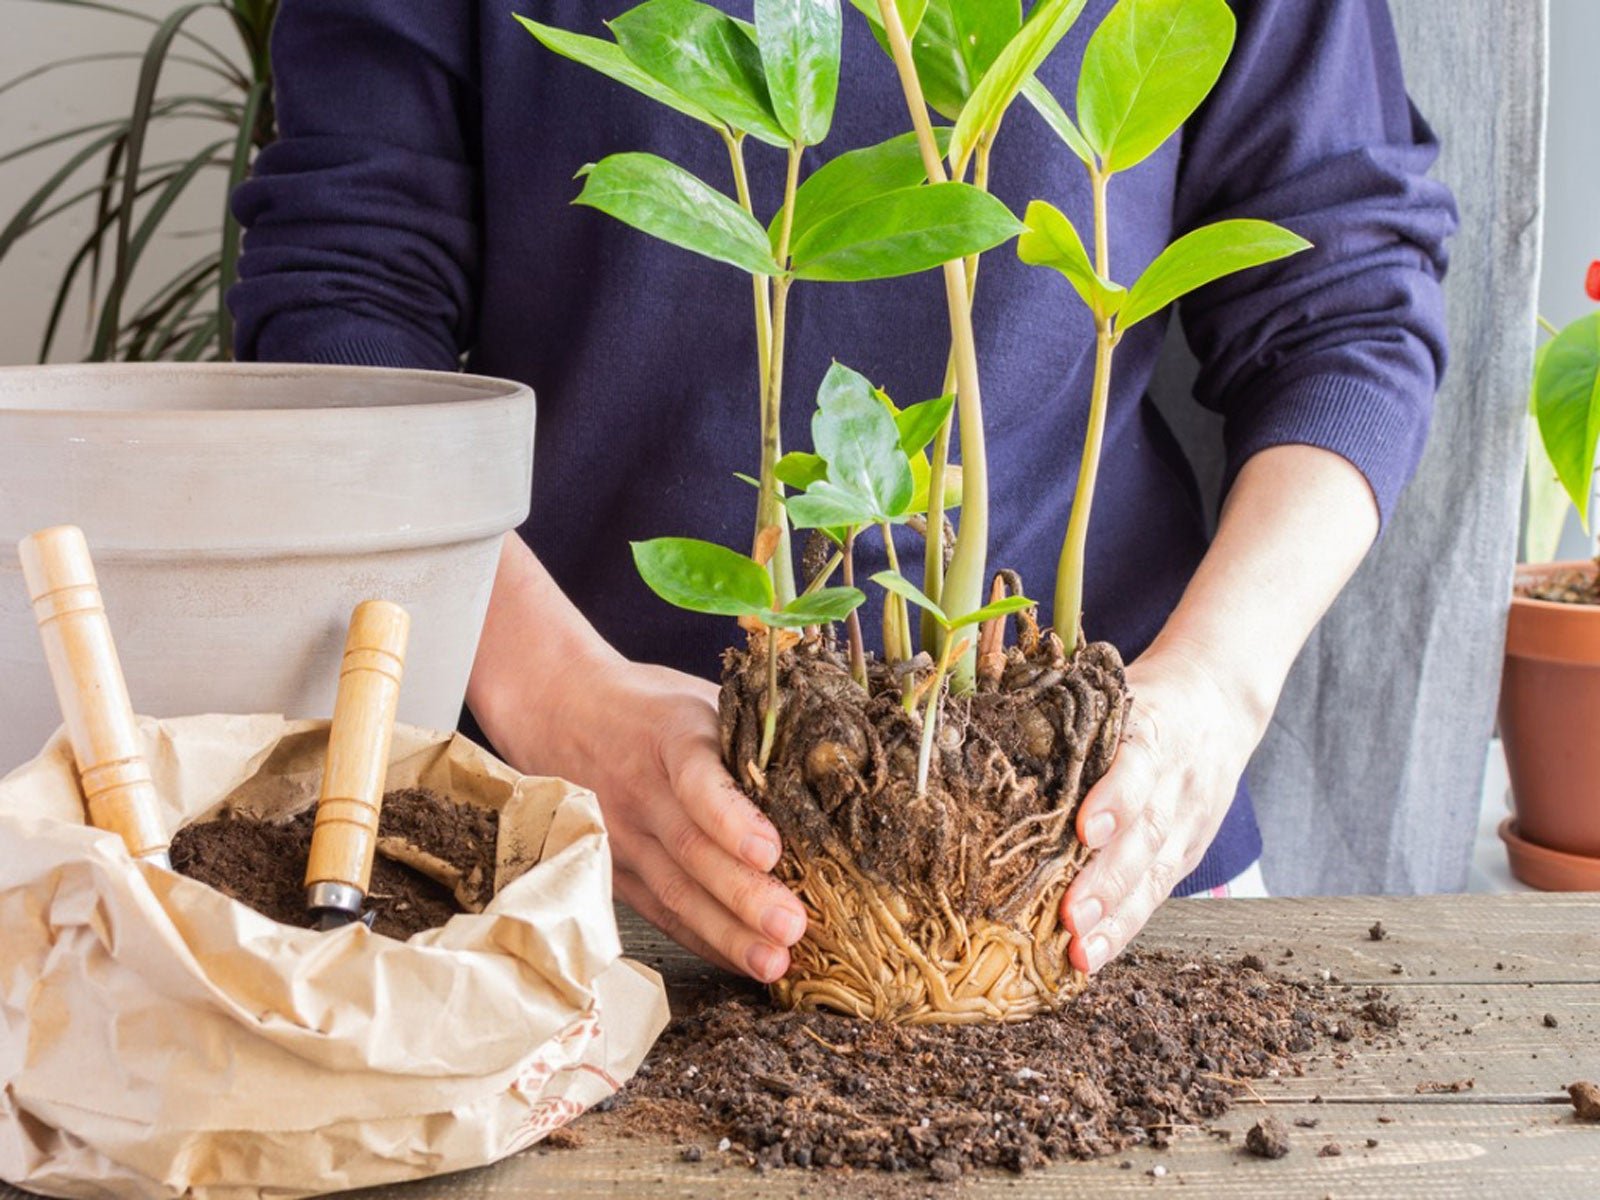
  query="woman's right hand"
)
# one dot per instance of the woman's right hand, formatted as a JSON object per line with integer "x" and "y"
{"x": 691, "y": 854}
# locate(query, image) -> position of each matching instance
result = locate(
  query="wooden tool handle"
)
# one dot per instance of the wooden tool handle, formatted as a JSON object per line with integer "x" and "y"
{"x": 117, "y": 787}
{"x": 346, "y": 832}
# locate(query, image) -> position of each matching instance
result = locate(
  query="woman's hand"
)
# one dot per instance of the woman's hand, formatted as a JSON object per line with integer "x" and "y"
{"x": 1296, "y": 523}
{"x": 1150, "y": 818}
{"x": 690, "y": 852}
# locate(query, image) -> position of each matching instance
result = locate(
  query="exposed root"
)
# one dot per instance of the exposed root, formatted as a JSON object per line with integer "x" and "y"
{"x": 940, "y": 906}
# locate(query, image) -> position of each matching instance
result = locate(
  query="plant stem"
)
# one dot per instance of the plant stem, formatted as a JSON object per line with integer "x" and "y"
{"x": 1068, "y": 616}
{"x": 963, "y": 585}
{"x": 901, "y": 648}
{"x": 852, "y": 623}
{"x": 759, "y": 283}
{"x": 1544, "y": 324}
{"x": 769, "y": 507}
{"x": 822, "y": 576}
{"x": 769, "y": 724}
{"x": 933, "y": 564}
{"x": 931, "y": 713}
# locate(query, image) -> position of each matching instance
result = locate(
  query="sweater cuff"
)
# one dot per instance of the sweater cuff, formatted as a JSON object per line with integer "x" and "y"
{"x": 315, "y": 336}
{"x": 1378, "y": 432}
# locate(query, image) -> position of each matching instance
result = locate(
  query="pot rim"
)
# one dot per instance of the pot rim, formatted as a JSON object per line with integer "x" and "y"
{"x": 473, "y": 390}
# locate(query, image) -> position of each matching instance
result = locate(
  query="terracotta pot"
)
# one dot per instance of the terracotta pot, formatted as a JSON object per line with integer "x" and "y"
{"x": 238, "y": 513}
{"x": 1550, "y": 720}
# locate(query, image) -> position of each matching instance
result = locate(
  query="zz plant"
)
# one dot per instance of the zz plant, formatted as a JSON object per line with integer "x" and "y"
{"x": 925, "y": 799}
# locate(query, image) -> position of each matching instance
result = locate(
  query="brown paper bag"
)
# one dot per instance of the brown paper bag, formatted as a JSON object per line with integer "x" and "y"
{"x": 160, "y": 1039}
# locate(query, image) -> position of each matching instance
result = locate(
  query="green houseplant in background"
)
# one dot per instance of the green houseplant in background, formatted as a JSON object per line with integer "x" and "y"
{"x": 1550, "y": 689}
{"x": 926, "y": 794}
{"x": 131, "y": 194}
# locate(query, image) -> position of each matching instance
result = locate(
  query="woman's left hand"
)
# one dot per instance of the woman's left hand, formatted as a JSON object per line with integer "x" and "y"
{"x": 1150, "y": 818}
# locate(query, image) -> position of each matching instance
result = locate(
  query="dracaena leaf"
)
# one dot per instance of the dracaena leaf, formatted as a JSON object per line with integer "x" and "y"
{"x": 1145, "y": 69}
{"x": 703, "y": 577}
{"x": 998, "y": 608}
{"x": 893, "y": 581}
{"x": 910, "y": 14}
{"x": 1048, "y": 107}
{"x": 815, "y": 608}
{"x": 667, "y": 202}
{"x": 1021, "y": 57}
{"x": 705, "y": 55}
{"x": 902, "y": 232}
{"x": 858, "y": 439}
{"x": 1052, "y": 241}
{"x": 800, "y": 469}
{"x": 608, "y": 58}
{"x": 854, "y": 177}
{"x": 1204, "y": 255}
{"x": 1566, "y": 400}
{"x": 799, "y": 42}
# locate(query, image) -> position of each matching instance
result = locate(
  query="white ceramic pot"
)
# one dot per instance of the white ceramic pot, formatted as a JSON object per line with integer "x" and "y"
{"x": 238, "y": 513}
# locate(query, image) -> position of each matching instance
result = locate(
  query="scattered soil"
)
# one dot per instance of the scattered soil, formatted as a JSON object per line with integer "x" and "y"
{"x": 1377, "y": 933}
{"x": 1157, "y": 1046}
{"x": 262, "y": 863}
{"x": 1566, "y": 587}
{"x": 1585, "y": 1100}
{"x": 1267, "y": 1138}
{"x": 1445, "y": 1087}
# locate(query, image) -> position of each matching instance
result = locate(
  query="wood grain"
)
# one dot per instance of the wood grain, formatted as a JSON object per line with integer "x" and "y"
{"x": 1511, "y": 1134}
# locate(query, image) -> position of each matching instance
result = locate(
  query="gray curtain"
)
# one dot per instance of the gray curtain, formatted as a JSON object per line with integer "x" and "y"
{"x": 1370, "y": 777}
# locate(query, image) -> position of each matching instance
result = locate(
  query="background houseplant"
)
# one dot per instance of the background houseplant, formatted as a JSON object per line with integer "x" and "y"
{"x": 122, "y": 170}
{"x": 1550, "y": 690}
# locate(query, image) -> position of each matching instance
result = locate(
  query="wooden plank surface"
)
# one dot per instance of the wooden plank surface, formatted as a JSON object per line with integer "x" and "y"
{"x": 1494, "y": 966}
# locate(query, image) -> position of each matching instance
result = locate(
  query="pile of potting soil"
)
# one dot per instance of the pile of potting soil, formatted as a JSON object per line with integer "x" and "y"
{"x": 262, "y": 864}
{"x": 1566, "y": 587}
{"x": 1157, "y": 1044}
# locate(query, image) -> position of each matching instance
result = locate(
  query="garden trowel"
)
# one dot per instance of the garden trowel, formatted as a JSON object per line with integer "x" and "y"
{"x": 118, "y": 791}
{"x": 346, "y": 833}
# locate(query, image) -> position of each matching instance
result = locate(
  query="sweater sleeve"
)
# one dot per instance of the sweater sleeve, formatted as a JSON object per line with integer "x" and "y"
{"x": 1341, "y": 346}
{"x": 362, "y": 242}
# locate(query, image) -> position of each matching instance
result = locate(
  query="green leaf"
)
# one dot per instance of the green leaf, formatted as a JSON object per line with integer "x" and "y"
{"x": 1566, "y": 399}
{"x": 1048, "y": 107}
{"x": 815, "y": 608}
{"x": 902, "y": 232}
{"x": 1204, "y": 255}
{"x": 922, "y": 472}
{"x": 1053, "y": 241}
{"x": 956, "y": 43}
{"x": 893, "y": 581}
{"x": 799, "y": 42}
{"x": 228, "y": 261}
{"x": 911, "y": 12}
{"x": 858, "y": 439}
{"x": 703, "y": 54}
{"x": 703, "y": 577}
{"x": 1146, "y": 68}
{"x": 1022, "y": 56}
{"x": 998, "y": 608}
{"x": 800, "y": 469}
{"x": 609, "y": 59}
{"x": 853, "y": 178}
{"x": 667, "y": 202}
{"x": 826, "y": 505}
{"x": 920, "y": 423}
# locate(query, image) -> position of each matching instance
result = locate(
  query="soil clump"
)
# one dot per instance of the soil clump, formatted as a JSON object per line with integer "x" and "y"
{"x": 1566, "y": 587}
{"x": 1158, "y": 1045}
{"x": 262, "y": 863}
{"x": 1585, "y": 1100}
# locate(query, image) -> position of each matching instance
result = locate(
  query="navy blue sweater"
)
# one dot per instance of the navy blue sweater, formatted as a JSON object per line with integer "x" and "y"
{"x": 417, "y": 209}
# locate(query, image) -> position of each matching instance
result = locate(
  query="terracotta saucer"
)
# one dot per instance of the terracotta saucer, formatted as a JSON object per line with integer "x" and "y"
{"x": 1546, "y": 869}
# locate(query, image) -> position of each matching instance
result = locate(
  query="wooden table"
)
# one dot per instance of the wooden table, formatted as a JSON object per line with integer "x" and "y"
{"x": 1494, "y": 965}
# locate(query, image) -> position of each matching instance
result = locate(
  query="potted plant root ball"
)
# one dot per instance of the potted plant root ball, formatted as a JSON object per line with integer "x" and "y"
{"x": 1550, "y": 691}
{"x": 926, "y": 789}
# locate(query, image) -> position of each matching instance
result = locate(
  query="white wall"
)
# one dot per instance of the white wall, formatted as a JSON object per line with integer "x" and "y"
{"x": 1572, "y": 177}
{"x": 36, "y": 33}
